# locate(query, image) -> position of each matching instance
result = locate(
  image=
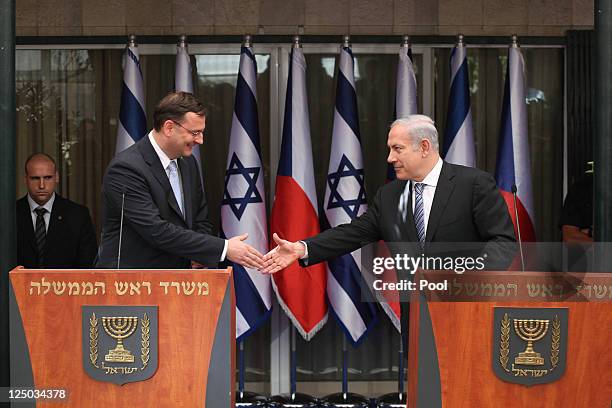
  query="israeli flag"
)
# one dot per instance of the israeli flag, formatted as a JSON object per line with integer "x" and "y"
{"x": 345, "y": 199}
{"x": 243, "y": 208}
{"x": 132, "y": 119}
{"x": 459, "y": 137}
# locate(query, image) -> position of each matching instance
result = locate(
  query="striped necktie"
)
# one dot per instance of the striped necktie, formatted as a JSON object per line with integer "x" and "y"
{"x": 419, "y": 212}
{"x": 40, "y": 234}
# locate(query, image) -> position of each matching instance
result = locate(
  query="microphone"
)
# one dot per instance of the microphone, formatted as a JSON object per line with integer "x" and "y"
{"x": 121, "y": 226}
{"x": 518, "y": 227}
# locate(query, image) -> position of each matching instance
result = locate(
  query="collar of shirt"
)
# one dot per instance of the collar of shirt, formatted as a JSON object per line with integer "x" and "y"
{"x": 163, "y": 157}
{"x": 48, "y": 205}
{"x": 431, "y": 179}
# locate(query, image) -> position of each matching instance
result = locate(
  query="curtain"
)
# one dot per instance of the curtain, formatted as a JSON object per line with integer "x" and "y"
{"x": 580, "y": 125}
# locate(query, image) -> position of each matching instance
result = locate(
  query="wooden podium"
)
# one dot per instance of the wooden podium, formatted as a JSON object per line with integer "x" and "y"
{"x": 119, "y": 338}
{"x": 457, "y": 345}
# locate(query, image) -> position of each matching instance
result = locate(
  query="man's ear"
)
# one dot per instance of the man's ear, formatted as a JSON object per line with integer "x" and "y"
{"x": 57, "y": 179}
{"x": 425, "y": 146}
{"x": 167, "y": 127}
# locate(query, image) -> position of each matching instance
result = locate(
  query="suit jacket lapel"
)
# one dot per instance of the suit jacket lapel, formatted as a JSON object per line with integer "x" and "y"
{"x": 186, "y": 179}
{"x": 408, "y": 227}
{"x": 56, "y": 221}
{"x": 444, "y": 189}
{"x": 23, "y": 213}
{"x": 151, "y": 158}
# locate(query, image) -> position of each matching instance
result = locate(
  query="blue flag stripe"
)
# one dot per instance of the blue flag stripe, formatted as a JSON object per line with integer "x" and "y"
{"x": 459, "y": 105}
{"x": 131, "y": 115}
{"x": 246, "y": 111}
{"x": 347, "y": 273}
{"x": 285, "y": 164}
{"x": 346, "y": 103}
{"x": 251, "y": 306}
{"x": 504, "y": 171}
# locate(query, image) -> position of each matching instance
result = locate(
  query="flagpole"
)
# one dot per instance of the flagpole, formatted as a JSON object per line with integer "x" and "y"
{"x": 240, "y": 368}
{"x": 293, "y": 375}
{"x": 344, "y": 367}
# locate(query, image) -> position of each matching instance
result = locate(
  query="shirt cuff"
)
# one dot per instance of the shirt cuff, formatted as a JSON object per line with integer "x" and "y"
{"x": 224, "y": 252}
{"x": 305, "y": 257}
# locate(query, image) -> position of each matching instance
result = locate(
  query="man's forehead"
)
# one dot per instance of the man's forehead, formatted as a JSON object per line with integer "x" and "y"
{"x": 398, "y": 136}
{"x": 193, "y": 117}
{"x": 41, "y": 165}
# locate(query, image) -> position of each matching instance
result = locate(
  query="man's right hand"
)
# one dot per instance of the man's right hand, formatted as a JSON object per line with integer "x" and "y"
{"x": 285, "y": 253}
{"x": 242, "y": 253}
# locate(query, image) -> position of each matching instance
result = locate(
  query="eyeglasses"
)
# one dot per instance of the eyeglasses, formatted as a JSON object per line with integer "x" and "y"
{"x": 194, "y": 133}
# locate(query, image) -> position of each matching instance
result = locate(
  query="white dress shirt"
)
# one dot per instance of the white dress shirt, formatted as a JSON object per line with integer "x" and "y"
{"x": 165, "y": 162}
{"x": 47, "y": 216}
{"x": 429, "y": 190}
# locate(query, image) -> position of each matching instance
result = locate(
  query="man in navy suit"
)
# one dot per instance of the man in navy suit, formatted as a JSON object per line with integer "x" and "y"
{"x": 52, "y": 232}
{"x": 431, "y": 202}
{"x": 154, "y": 189}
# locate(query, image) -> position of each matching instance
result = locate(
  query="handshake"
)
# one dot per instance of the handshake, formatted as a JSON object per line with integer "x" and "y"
{"x": 283, "y": 255}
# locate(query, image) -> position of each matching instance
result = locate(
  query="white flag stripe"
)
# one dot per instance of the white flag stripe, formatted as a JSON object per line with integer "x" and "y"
{"x": 343, "y": 307}
{"x": 406, "y": 93}
{"x": 182, "y": 78}
{"x": 457, "y": 61}
{"x": 462, "y": 150}
{"x": 520, "y": 141}
{"x": 241, "y": 324}
{"x": 249, "y": 73}
{"x": 300, "y": 130}
{"x": 124, "y": 140}
{"x": 132, "y": 78}
{"x": 345, "y": 144}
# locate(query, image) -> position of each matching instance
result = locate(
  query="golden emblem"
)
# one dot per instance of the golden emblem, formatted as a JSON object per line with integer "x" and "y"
{"x": 119, "y": 328}
{"x": 530, "y": 330}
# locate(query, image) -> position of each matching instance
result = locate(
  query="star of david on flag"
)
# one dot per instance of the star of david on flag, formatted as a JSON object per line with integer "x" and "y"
{"x": 337, "y": 182}
{"x": 235, "y": 178}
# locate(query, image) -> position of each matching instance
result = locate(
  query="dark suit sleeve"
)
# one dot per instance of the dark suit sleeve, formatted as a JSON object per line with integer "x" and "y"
{"x": 346, "y": 238}
{"x": 490, "y": 211}
{"x": 202, "y": 223}
{"x": 88, "y": 245}
{"x": 493, "y": 223}
{"x": 144, "y": 217}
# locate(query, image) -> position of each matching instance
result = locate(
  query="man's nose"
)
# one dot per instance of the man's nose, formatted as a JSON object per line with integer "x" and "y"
{"x": 41, "y": 183}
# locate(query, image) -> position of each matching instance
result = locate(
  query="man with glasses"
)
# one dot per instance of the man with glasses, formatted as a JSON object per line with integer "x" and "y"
{"x": 152, "y": 192}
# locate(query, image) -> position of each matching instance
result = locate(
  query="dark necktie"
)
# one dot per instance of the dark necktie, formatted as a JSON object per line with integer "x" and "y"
{"x": 419, "y": 211}
{"x": 40, "y": 233}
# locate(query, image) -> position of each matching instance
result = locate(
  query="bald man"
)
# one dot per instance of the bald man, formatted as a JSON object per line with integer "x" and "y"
{"x": 52, "y": 232}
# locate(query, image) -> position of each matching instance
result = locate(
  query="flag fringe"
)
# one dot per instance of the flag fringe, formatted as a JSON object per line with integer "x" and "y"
{"x": 305, "y": 335}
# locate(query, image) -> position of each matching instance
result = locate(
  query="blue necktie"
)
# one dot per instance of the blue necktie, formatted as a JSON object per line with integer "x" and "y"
{"x": 176, "y": 184}
{"x": 419, "y": 212}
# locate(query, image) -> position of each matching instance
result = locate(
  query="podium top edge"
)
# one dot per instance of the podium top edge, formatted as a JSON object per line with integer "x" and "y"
{"x": 22, "y": 270}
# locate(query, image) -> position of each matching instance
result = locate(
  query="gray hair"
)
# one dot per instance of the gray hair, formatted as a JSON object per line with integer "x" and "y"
{"x": 419, "y": 127}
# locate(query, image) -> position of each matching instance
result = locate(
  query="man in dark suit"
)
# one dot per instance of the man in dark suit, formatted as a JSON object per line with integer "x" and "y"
{"x": 153, "y": 192}
{"x": 52, "y": 232}
{"x": 431, "y": 201}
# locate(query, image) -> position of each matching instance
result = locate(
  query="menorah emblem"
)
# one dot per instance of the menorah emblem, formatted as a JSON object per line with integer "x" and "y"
{"x": 530, "y": 330}
{"x": 119, "y": 328}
